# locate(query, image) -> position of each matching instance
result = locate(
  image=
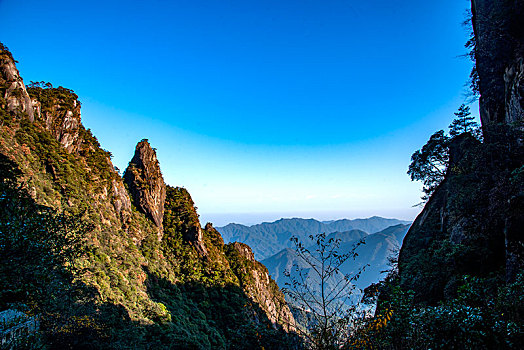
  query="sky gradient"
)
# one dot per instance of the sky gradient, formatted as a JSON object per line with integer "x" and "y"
{"x": 261, "y": 109}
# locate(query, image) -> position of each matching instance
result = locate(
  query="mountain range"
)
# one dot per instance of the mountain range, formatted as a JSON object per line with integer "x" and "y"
{"x": 269, "y": 238}
{"x": 372, "y": 255}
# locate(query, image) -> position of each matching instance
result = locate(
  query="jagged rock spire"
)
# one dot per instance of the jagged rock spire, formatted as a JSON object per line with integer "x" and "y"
{"x": 146, "y": 184}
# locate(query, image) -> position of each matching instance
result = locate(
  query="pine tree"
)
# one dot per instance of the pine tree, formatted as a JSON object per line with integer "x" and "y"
{"x": 464, "y": 122}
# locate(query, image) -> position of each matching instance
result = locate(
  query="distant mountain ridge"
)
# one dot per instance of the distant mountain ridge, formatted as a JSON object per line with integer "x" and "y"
{"x": 269, "y": 238}
{"x": 373, "y": 253}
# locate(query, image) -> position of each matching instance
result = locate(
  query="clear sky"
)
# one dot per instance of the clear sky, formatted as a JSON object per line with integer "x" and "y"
{"x": 261, "y": 109}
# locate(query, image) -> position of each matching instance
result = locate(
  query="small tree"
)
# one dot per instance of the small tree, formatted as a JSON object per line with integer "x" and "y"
{"x": 464, "y": 122}
{"x": 323, "y": 292}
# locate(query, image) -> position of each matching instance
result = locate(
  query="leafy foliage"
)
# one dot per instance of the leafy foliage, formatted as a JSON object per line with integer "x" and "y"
{"x": 33, "y": 236}
{"x": 485, "y": 314}
{"x": 430, "y": 163}
{"x": 39, "y": 250}
{"x": 48, "y": 96}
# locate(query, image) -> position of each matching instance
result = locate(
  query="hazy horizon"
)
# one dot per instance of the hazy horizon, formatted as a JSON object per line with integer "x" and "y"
{"x": 250, "y": 219}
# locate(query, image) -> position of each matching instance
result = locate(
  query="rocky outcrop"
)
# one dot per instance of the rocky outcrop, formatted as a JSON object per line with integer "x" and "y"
{"x": 472, "y": 224}
{"x": 146, "y": 184}
{"x": 63, "y": 120}
{"x": 183, "y": 211}
{"x": 128, "y": 271}
{"x": 121, "y": 200}
{"x": 453, "y": 235}
{"x": 60, "y": 112}
{"x": 514, "y": 87}
{"x": 499, "y": 34}
{"x": 260, "y": 287}
{"x": 13, "y": 90}
{"x": 194, "y": 236}
{"x": 214, "y": 235}
{"x": 244, "y": 250}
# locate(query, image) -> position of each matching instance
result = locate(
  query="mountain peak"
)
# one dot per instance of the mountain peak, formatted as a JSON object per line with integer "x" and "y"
{"x": 145, "y": 182}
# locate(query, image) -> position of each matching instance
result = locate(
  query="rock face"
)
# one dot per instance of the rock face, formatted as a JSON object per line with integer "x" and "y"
{"x": 121, "y": 200}
{"x": 64, "y": 122}
{"x": 453, "y": 235}
{"x": 244, "y": 250}
{"x": 499, "y": 33}
{"x": 60, "y": 113}
{"x": 146, "y": 184}
{"x": 16, "y": 97}
{"x": 473, "y": 223}
{"x": 57, "y": 111}
{"x": 194, "y": 236}
{"x": 256, "y": 281}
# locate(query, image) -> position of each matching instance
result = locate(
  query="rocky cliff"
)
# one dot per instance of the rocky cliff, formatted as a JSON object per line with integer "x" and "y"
{"x": 473, "y": 223}
{"x": 15, "y": 98}
{"x": 146, "y": 184}
{"x": 114, "y": 281}
{"x": 255, "y": 278}
{"x": 499, "y": 32}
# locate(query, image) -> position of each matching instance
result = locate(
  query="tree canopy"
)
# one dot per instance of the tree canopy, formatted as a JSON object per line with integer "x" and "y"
{"x": 430, "y": 163}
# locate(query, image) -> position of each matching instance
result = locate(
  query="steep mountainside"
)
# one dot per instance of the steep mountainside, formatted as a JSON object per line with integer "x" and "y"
{"x": 474, "y": 222}
{"x": 373, "y": 253}
{"x": 267, "y": 239}
{"x": 108, "y": 263}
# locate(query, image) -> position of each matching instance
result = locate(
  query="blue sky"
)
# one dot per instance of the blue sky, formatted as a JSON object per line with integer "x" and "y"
{"x": 261, "y": 109}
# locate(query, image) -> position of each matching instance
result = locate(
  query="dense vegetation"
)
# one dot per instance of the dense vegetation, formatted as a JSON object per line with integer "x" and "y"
{"x": 485, "y": 313}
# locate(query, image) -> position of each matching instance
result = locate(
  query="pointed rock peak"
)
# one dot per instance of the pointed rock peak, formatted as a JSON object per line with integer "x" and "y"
{"x": 146, "y": 184}
{"x": 145, "y": 156}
